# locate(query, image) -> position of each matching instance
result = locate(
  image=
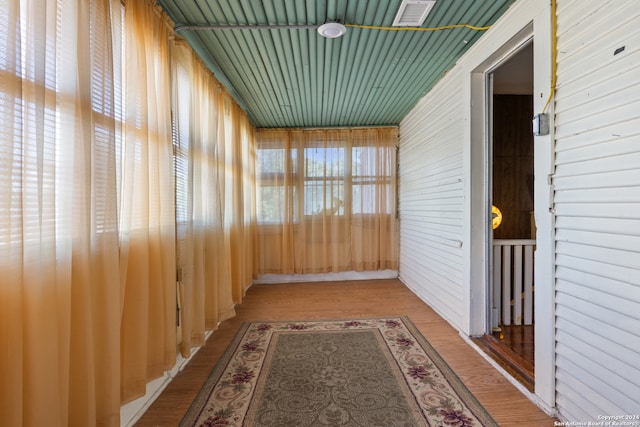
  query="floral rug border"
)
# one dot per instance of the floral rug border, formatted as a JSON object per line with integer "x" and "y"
{"x": 440, "y": 394}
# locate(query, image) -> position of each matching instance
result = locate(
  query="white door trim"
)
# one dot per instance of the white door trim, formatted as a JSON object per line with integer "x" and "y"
{"x": 476, "y": 210}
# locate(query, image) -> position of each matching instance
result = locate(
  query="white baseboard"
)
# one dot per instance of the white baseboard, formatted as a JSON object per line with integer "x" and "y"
{"x": 327, "y": 277}
{"x": 131, "y": 412}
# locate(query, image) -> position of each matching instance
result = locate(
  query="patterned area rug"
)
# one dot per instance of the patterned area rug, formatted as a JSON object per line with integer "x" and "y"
{"x": 366, "y": 372}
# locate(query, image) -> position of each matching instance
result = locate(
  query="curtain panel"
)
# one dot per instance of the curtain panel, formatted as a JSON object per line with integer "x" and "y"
{"x": 146, "y": 209}
{"x": 326, "y": 200}
{"x": 59, "y": 247}
{"x": 103, "y": 198}
{"x": 215, "y": 204}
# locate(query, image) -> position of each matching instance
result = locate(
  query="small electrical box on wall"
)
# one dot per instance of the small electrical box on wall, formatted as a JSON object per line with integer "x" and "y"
{"x": 541, "y": 124}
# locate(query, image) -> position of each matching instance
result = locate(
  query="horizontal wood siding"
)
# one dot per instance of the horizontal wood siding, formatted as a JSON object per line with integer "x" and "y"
{"x": 431, "y": 200}
{"x": 597, "y": 206}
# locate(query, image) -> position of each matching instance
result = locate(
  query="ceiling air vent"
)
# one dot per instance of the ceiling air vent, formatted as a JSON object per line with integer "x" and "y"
{"x": 412, "y": 13}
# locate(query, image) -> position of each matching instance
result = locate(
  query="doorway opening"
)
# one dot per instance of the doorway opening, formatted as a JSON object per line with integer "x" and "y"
{"x": 512, "y": 231}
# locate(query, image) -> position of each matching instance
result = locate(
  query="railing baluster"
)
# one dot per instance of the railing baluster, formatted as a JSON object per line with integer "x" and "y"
{"x": 497, "y": 285}
{"x": 528, "y": 285}
{"x": 506, "y": 285}
{"x": 517, "y": 285}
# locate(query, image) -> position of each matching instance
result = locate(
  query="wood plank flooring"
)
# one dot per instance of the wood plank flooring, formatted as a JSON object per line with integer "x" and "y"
{"x": 520, "y": 339}
{"x": 353, "y": 299}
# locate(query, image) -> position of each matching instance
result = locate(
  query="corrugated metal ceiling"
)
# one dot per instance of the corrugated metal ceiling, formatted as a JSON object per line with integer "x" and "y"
{"x": 296, "y": 78}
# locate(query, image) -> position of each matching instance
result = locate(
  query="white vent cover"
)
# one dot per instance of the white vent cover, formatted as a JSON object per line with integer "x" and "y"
{"x": 412, "y": 13}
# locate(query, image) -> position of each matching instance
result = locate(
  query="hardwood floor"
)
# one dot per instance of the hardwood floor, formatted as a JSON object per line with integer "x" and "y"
{"x": 520, "y": 339}
{"x": 357, "y": 299}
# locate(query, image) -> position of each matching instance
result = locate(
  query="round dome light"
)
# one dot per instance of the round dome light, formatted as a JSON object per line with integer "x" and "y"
{"x": 332, "y": 30}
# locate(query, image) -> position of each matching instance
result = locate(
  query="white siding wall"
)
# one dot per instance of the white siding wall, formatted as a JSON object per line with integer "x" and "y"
{"x": 588, "y": 255}
{"x": 431, "y": 200}
{"x": 597, "y": 204}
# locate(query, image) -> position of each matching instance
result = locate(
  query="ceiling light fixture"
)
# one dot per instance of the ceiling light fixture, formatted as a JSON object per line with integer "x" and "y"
{"x": 332, "y": 30}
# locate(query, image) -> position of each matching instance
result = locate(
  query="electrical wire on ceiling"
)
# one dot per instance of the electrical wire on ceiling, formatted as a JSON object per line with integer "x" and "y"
{"x": 444, "y": 27}
{"x": 311, "y": 27}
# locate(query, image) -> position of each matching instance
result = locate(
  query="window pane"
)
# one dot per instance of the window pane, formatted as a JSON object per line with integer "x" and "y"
{"x": 272, "y": 171}
{"x": 324, "y": 180}
{"x": 372, "y": 198}
{"x": 324, "y": 162}
{"x": 371, "y": 161}
{"x": 272, "y": 204}
{"x": 324, "y": 197}
{"x": 270, "y": 200}
{"x": 271, "y": 160}
{"x": 371, "y": 170}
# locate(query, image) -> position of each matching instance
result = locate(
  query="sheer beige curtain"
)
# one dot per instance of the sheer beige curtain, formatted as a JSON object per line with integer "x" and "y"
{"x": 215, "y": 192}
{"x": 239, "y": 202}
{"x": 147, "y": 208}
{"x": 59, "y": 287}
{"x": 374, "y": 221}
{"x": 200, "y": 222}
{"x": 326, "y": 200}
{"x": 88, "y": 209}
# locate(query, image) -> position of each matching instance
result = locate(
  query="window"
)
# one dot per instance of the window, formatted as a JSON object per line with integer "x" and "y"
{"x": 44, "y": 122}
{"x": 324, "y": 180}
{"x": 336, "y": 175}
{"x": 277, "y": 171}
{"x": 326, "y": 200}
{"x": 372, "y": 187}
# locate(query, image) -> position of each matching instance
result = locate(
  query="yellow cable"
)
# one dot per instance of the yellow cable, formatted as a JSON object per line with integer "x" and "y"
{"x": 554, "y": 42}
{"x": 554, "y": 54}
{"x": 444, "y": 27}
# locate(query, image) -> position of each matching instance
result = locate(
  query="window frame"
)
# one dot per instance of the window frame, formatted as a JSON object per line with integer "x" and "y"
{"x": 347, "y": 179}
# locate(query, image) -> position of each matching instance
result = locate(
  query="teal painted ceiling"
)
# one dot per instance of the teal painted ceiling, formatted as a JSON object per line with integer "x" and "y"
{"x": 293, "y": 77}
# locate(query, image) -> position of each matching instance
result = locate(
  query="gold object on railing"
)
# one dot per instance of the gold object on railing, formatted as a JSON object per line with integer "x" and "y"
{"x": 496, "y": 217}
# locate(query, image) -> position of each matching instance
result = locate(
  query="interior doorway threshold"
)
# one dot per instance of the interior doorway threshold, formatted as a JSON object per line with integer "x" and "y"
{"x": 514, "y": 363}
